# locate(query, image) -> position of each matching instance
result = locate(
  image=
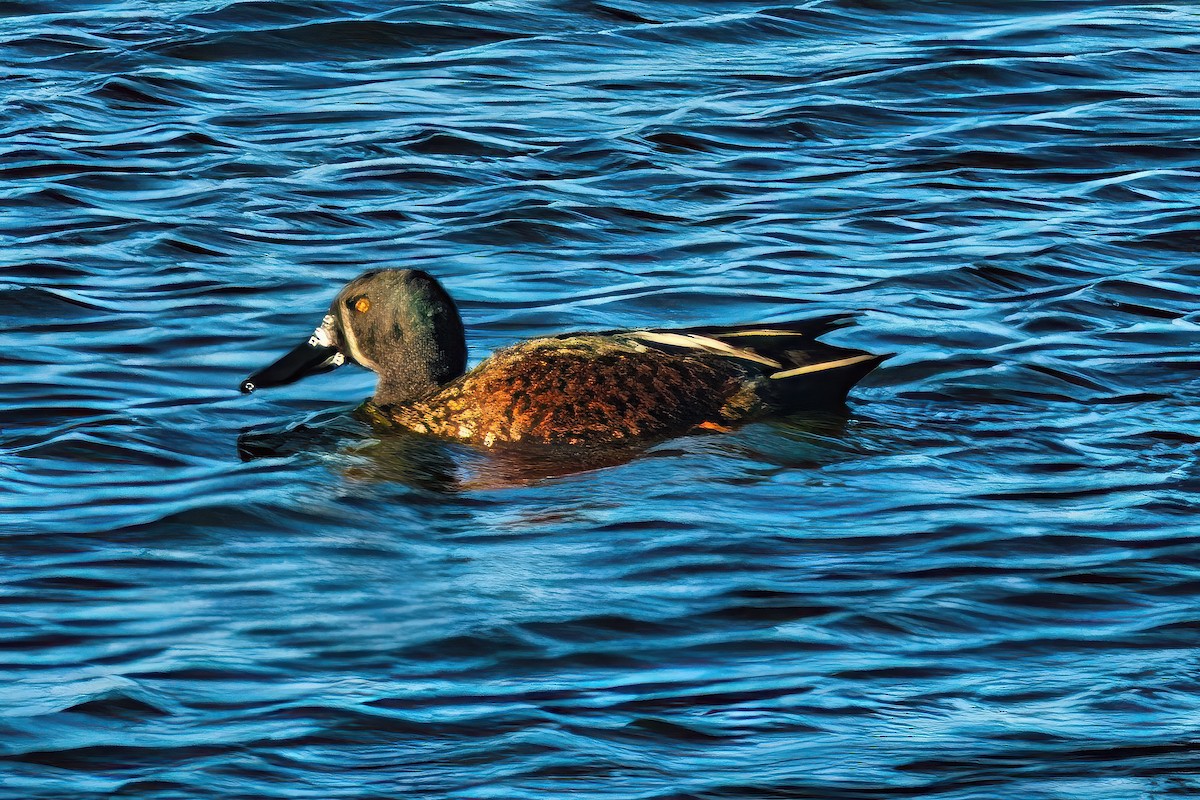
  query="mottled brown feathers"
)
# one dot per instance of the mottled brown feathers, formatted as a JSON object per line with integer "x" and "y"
{"x": 582, "y": 390}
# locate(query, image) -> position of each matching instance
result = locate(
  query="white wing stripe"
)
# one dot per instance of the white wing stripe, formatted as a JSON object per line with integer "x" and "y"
{"x": 844, "y": 362}
{"x": 761, "y": 332}
{"x": 695, "y": 341}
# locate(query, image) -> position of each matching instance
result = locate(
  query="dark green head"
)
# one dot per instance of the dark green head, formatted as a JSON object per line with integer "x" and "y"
{"x": 399, "y": 323}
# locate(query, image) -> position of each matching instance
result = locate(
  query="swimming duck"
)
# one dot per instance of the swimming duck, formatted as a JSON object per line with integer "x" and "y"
{"x": 569, "y": 389}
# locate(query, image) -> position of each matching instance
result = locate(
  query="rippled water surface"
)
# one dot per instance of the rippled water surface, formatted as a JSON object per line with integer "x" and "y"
{"x": 982, "y": 582}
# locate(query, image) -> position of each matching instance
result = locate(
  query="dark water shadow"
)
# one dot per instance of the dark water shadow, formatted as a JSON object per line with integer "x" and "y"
{"x": 373, "y": 453}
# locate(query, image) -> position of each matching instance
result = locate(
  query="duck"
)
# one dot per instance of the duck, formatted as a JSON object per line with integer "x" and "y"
{"x": 581, "y": 388}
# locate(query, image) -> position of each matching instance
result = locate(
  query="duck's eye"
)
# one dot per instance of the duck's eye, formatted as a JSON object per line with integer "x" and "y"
{"x": 363, "y": 305}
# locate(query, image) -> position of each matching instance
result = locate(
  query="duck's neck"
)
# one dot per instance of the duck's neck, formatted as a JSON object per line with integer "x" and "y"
{"x": 399, "y": 387}
{"x": 418, "y": 374}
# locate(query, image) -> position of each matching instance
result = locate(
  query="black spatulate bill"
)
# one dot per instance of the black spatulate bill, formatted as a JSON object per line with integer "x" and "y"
{"x": 307, "y": 359}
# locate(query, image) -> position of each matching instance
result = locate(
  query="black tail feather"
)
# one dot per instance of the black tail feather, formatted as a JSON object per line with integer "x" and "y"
{"x": 820, "y": 387}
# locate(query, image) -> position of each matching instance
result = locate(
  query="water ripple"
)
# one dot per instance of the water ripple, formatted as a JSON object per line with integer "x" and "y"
{"x": 979, "y": 583}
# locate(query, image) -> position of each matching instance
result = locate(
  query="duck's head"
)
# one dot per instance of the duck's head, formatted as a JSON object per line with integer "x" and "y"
{"x": 398, "y": 323}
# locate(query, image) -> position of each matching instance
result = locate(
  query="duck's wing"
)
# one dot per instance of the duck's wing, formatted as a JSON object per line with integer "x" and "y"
{"x": 780, "y": 349}
{"x": 799, "y": 368}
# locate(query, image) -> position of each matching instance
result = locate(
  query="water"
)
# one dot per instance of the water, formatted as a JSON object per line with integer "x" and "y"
{"x": 983, "y": 582}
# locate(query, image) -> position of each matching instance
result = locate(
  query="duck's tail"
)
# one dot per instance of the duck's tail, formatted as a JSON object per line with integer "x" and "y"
{"x": 822, "y": 383}
{"x": 801, "y": 372}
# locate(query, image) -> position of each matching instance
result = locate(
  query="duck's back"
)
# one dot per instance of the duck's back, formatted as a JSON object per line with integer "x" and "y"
{"x": 612, "y": 387}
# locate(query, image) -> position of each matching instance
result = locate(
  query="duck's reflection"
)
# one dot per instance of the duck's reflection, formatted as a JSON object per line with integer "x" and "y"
{"x": 367, "y": 451}
{"x": 364, "y": 452}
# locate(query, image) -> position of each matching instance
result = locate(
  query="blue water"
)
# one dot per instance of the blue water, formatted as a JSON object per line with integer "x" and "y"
{"x": 982, "y": 582}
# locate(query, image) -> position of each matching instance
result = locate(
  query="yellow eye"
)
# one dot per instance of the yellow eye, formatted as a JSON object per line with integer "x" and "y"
{"x": 363, "y": 305}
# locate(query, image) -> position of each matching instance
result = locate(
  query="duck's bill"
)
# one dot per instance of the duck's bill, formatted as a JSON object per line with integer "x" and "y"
{"x": 317, "y": 355}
